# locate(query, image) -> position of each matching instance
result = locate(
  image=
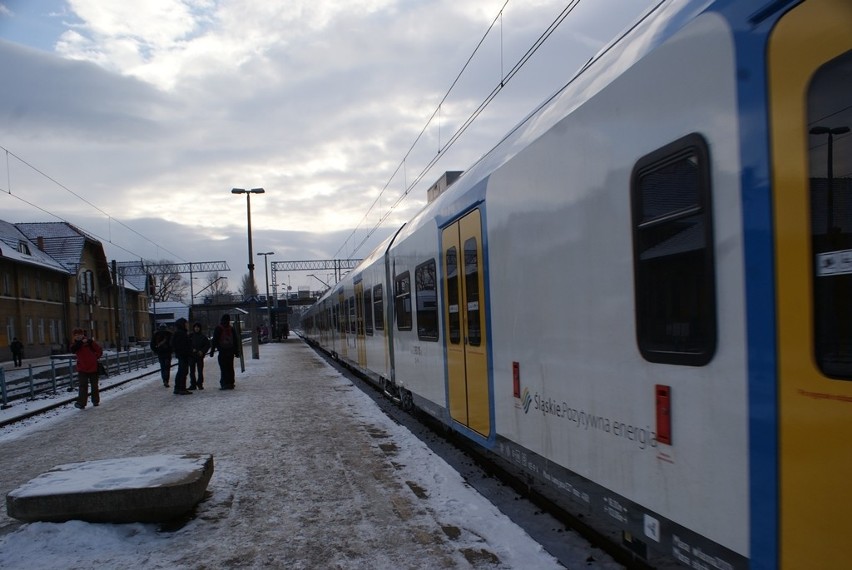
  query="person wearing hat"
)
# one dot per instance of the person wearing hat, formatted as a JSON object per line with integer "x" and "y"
{"x": 87, "y": 351}
{"x": 161, "y": 344}
{"x": 226, "y": 342}
{"x": 183, "y": 349}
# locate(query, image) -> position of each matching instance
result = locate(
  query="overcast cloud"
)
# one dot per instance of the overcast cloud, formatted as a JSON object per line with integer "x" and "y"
{"x": 152, "y": 111}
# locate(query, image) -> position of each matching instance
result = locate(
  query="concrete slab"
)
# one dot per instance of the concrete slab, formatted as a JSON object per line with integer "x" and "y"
{"x": 133, "y": 489}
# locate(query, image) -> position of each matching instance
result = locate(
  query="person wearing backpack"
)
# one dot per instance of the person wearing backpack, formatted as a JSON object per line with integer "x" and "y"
{"x": 226, "y": 342}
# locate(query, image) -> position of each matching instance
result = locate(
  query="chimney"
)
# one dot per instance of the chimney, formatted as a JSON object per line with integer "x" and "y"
{"x": 40, "y": 242}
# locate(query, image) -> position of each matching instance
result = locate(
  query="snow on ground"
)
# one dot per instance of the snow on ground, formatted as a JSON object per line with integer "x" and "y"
{"x": 308, "y": 474}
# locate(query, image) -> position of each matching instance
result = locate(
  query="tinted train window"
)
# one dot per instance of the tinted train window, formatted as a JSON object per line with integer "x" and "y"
{"x": 368, "y": 312}
{"x": 426, "y": 290}
{"x": 675, "y": 278}
{"x": 402, "y": 305}
{"x": 830, "y": 166}
{"x": 378, "y": 308}
{"x": 454, "y": 317}
{"x": 471, "y": 277}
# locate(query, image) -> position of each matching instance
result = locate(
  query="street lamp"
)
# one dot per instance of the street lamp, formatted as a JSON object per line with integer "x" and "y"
{"x": 255, "y": 352}
{"x": 327, "y": 286}
{"x": 266, "y": 273}
{"x": 822, "y": 130}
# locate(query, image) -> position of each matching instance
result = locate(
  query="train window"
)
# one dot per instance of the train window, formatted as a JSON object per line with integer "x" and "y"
{"x": 368, "y": 311}
{"x": 454, "y": 317}
{"x": 353, "y": 320}
{"x": 426, "y": 289}
{"x": 674, "y": 271}
{"x": 378, "y": 308}
{"x": 471, "y": 287}
{"x": 830, "y": 173}
{"x": 402, "y": 305}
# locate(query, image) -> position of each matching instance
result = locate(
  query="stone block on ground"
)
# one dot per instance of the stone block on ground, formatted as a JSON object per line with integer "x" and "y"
{"x": 153, "y": 488}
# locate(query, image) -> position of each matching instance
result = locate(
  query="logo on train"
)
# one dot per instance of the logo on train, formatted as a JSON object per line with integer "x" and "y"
{"x": 526, "y": 400}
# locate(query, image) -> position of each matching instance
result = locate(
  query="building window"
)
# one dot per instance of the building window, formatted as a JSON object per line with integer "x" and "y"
{"x": 402, "y": 301}
{"x": 41, "y": 331}
{"x": 426, "y": 291}
{"x": 29, "y": 331}
{"x": 378, "y": 308}
{"x": 674, "y": 272}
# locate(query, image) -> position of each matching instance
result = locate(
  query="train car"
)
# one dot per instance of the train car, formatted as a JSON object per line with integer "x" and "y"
{"x": 641, "y": 297}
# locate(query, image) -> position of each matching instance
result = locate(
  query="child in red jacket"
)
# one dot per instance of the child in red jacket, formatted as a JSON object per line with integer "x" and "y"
{"x": 88, "y": 352}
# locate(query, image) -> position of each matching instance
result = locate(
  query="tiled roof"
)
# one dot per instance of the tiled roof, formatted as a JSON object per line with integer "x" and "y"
{"x": 11, "y": 239}
{"x": 65, "y": 242}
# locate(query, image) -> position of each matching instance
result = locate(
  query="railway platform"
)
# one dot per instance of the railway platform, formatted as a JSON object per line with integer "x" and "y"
{"x": 308, "y": 474}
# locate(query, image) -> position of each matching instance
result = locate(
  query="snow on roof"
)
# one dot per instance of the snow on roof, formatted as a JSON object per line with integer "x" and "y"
{"x": 13, "y": 241}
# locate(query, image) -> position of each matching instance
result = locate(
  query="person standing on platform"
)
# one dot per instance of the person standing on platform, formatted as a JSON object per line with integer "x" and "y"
{"x": 226, "y": 342}
{"x": 200, "y": 345}
{"x": 183, "y": 350}
{"x": 87, "y": 351}
{"x": 161, "y": 344}
{"x": 17, "y": 348}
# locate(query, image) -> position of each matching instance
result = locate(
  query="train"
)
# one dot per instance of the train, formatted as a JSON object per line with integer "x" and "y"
{"x": 641, "y": 297}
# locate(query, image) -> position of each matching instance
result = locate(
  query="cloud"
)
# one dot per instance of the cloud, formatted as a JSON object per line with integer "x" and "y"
{"x": 155, "y": 110}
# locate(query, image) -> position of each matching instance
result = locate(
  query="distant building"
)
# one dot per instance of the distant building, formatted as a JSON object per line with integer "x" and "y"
{"x": 167, "y": 312}
{"x": 33, "y": 294}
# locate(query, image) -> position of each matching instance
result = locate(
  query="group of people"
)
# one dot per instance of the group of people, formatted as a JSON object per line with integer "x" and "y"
{"x": 190, "y": 348}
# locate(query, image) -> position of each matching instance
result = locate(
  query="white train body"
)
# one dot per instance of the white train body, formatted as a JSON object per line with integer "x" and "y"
{"x": 543, "y": 316}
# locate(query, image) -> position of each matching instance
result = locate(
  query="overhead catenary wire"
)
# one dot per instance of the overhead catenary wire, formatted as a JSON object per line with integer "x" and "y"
{"x": 111, "y": 218}
{"x": 504, "y": 80}
{"x": 435, "y": 113}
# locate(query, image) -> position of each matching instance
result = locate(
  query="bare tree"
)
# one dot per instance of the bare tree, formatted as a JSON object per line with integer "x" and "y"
{"x": 217, "y": 287}
{"x": 247, "y": 288}
{"x": 168, "y": 285}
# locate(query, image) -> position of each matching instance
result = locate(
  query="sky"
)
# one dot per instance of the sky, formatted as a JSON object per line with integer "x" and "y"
{"x": 279, "y": 461}
{"x": 134, "y": 120}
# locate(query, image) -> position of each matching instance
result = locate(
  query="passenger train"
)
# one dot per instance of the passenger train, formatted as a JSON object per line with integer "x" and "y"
{"x": 641, "y": 298}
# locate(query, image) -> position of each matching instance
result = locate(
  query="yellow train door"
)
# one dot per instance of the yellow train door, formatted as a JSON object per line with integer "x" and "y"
{"x": 810, "y": 64}
{"x": 465, "y": 334}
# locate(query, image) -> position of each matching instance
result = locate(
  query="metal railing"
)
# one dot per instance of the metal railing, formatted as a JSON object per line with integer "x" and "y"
{"x": 61, "y": 373}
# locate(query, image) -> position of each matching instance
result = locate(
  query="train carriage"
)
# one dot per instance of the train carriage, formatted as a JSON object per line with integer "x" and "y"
{"x": 641, "y": 297}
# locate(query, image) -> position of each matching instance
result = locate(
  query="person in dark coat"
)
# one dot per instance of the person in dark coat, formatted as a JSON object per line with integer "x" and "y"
{"x": 183, "y": 350}
{"x": 161, "y": 344}
{"x": 200, "y": 345}
{"x": 17, "y": 348}
{"x": 226, "y": 342}
{"x": 87, "y": 351}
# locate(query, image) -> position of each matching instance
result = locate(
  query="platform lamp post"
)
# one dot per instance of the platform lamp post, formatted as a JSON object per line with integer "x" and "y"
{"x": 268, "y": 302}
{"x": 821, "y": 130}
{"x": 255, "y": 351}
